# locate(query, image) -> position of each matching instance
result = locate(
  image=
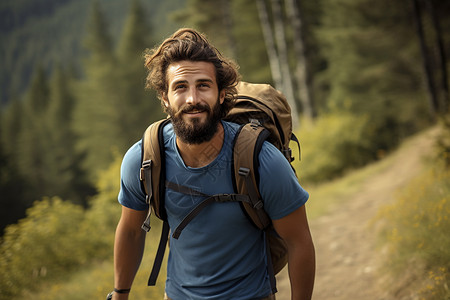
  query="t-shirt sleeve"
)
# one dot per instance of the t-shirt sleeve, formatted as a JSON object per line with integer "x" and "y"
{"x": 279, "y": 187}
{"x": 131, "y": 194}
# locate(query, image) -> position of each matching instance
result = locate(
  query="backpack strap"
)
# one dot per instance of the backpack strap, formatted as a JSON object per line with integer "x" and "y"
{"x": 247, "y": 146}
{"x": 152, "y": 175}
{"x": 199, "y": 207}
{"x": 245, "y": 164}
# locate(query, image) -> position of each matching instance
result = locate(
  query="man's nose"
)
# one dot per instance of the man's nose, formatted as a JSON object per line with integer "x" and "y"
{"x": 192, "y": 97}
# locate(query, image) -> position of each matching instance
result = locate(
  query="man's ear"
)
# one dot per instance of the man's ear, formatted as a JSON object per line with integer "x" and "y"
{"x": 222, "y": 96}
{"x": 165, "y": 99}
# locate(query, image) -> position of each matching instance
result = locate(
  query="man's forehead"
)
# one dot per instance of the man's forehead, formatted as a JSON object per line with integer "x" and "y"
{"x": 191, "y": 70}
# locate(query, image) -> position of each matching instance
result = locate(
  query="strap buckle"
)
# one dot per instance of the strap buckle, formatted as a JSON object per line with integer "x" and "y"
{"x": 258, "y": 205}
{"x": 145, "y": 165}
{"x": 244, "y": 171}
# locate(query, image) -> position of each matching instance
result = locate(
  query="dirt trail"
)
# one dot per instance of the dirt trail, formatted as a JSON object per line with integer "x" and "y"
{"x": 346, "y": 256}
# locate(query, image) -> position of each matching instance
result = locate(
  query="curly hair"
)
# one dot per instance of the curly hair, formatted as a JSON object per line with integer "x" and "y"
{"x": 188, "y": 44}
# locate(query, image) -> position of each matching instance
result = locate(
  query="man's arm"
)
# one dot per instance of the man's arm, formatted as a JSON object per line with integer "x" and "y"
{"x": 294, "y": 230}
{"x": 128, "y": 249}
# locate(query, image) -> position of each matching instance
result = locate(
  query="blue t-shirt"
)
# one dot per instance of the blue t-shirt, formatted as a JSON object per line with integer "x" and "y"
{"x": 220, "y": 254}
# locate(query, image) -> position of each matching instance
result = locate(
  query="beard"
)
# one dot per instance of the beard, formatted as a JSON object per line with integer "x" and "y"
{"x": 195, "y": 131}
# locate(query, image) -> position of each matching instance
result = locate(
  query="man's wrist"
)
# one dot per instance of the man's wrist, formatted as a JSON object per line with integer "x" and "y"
{"x": 117, "y": 291}
{"x": 122, "y": 291}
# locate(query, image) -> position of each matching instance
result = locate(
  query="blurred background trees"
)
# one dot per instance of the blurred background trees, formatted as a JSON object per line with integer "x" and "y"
{"x": 360, "y": 75}
{"x": 72, "y": 94}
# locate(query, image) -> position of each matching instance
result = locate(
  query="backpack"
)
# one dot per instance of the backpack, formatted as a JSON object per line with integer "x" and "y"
{"x": 264, "y": 114}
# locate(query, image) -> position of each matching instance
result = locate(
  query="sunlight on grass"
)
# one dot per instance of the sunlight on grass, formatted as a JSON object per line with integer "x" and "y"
{"x": 325, "y": 196}
{"x": 97, "y": 281}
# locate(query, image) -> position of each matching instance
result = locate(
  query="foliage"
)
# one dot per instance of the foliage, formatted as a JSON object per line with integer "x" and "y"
{"x": 54, "y": 247}
{"x": 44, "y": 245}
{"x": 332, "y": 145}
{"x": 51, "y": 31}
{"x": 443, "y": 142}
{"x": 371, "y": 55}
{"x": 415, "y": 232}
{"x": 58, "y": 237}
{"x": 112, "y": 108}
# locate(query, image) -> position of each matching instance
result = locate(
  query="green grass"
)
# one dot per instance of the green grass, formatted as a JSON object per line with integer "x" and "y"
{"x": 415, "y": 232}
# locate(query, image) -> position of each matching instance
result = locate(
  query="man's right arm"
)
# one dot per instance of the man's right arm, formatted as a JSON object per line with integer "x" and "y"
{"x": 128, "y": 249}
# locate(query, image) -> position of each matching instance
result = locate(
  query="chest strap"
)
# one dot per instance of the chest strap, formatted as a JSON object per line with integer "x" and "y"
{"x": 197, "y": 209}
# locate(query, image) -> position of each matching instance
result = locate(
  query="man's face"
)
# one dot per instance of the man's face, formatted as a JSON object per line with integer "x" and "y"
{"x": 193, "y": 100}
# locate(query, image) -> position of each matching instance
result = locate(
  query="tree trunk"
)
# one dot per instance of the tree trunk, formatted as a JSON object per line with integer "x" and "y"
{"x": 442, "y": 60}
{"x": 270, "y": 44}
{"x": 303, "y": 75}
{"x": 280, "y": 36}
{"x": 427, "y": 65}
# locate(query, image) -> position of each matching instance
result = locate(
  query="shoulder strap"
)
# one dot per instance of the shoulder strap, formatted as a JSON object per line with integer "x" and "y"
{"x": 246, "y": 148}
{"x": 152, "y": 170}
{"x": 152, "y": 177}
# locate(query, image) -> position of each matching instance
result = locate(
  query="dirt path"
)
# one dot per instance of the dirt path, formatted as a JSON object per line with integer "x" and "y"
{"x": 346, "y": 256}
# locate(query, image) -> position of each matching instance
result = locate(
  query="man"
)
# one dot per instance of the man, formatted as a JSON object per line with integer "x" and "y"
{"x": 220, "y": 254}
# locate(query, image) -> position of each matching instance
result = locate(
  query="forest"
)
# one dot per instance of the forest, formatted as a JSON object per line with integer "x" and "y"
{"x": 360, "y": 77}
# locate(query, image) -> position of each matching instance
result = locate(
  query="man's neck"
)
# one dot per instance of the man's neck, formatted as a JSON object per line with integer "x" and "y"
{"x": 200, "y": 155}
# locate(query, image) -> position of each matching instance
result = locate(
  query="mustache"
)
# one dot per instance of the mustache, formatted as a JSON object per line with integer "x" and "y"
{"x": 188, "y": 108}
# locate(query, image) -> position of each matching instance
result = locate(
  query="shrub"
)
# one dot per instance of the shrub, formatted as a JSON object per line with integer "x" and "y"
{"x": 43, "y": 245}
{"x": 415, "y": 232}
{"x": 332, "y": 145}
{"x": 57, "y": 237}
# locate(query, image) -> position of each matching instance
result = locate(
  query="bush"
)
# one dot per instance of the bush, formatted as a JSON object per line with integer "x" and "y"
{"x": 332, "y": 145}
{"x": 415, "y": 232}
{"x": 43, "y": 245}
{"x": 58, "y": 237}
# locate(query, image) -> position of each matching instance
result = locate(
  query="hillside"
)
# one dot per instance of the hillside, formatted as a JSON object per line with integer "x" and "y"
{"x": 50, "y": 32}
{"x": 347, "y": 257}
{"x": 340, "y": 213}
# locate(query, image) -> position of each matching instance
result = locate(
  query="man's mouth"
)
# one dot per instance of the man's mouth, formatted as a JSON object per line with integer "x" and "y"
{"x": 193, "y": 112}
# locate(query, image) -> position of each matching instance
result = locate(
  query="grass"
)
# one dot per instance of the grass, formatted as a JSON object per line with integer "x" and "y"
{"x": 324, "y": 196}
{"x": 97, "y": 281}
{"x": 415, "y": 233}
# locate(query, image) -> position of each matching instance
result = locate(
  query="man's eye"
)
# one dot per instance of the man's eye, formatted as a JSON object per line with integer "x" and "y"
{"x": 180, "y": 86}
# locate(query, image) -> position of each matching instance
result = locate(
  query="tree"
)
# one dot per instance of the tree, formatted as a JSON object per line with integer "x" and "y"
{"x": 97, "y": 115}
{"x": 211, "y": 18}
{"x": 275, "y": 64}
{"x": 250, "y": 45}
{"x": 64, "y": 175}
{"x": 138, "y": 107}
{"x": 33, "y": 137}
{"x": 434, "y": 59}
{"x": 426, "y": 60}
{"x": 12, "y": 203}
{"x": 280, "y": 37}
{"x": 303, "y": 72}
{"x": 372, "y": 67}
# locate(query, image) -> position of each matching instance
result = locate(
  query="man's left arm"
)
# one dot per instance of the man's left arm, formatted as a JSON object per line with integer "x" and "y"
{"x": 294, "y": 229}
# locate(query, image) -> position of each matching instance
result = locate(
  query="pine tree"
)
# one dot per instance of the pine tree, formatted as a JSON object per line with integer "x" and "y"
{"x": 138, "y": 107}
{"x": 372, "y": 66}
{"x": 64, "y": 174}
{"x": 251, "y": 50}
{"x": 209, "y": 17}
{"x": 33, "y": 136}
{"x": 11, "y": 126}
{"x": 97, "y": 115}
{"x": 12, "y": 185}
